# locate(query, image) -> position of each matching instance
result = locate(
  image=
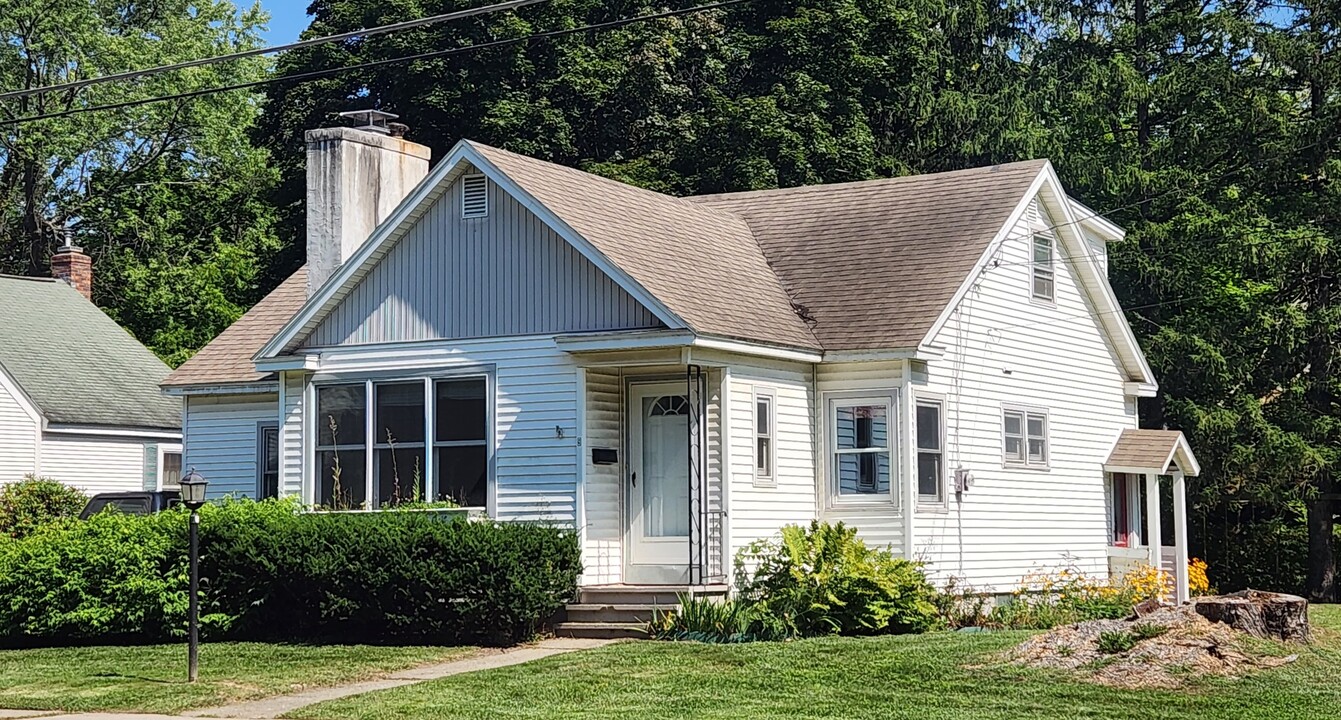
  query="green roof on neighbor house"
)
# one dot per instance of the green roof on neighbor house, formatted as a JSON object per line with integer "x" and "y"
{"x": 76, "y": 365}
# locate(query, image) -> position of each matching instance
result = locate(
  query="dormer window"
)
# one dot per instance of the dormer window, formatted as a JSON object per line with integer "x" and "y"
{"x": 474, "y": 197}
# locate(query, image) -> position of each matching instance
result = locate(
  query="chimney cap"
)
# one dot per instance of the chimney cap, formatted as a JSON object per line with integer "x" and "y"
{"x": 68, "y": 244}
{"x": 373, "y": 120}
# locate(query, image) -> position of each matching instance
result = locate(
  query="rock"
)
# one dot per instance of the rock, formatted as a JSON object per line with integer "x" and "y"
{"x": 1146, "y": 608}
{"x": 1264, "y": 614}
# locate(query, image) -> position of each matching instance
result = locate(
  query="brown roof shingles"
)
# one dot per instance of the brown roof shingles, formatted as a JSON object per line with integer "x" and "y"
{"x": 226, "y": 360}
{"x": 1144, "y": 449}
{"x": 875, "y": 262}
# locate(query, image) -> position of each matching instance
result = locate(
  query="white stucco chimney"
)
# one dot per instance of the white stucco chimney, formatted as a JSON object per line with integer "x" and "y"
{"x": 355, "y": 178}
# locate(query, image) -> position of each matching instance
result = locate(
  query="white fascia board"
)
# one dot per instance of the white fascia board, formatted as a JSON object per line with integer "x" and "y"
{"x": 111, "y": 431}
{"x": 1140, "y": 389}
{"x": 399, "y": 222}
{"x": 1096, "y": 223}
{"x": 305, "y": 361}
{"x": 10, "y": 385}
{"x": 748, "y": 348}
{"x": 923, "y": 352}
{"x": 658, "y": 339}
{"x": 259, "y": 388}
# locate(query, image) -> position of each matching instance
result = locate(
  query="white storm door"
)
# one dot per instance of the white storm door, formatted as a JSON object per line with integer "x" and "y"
{"x": 658, "y": 483}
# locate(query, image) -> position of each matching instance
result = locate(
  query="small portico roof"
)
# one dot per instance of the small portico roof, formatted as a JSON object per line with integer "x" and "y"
{"x": 1155, "y": 452}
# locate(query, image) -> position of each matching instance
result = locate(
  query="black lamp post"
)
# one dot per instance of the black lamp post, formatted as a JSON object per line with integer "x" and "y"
{"x": 193, "y": 496}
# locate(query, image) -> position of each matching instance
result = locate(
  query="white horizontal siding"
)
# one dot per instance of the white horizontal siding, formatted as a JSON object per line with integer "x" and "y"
{"x": 535, "y": 457}
{"x": 759, "y": 509}
{"x": 292, "y": 437}
{"x": 220, "y": 437}
{"x": 603, "y": 558}
{"x": 94, "y": 464}
{"x": 1002, "y": 348}
{"x": 18, "y": 435}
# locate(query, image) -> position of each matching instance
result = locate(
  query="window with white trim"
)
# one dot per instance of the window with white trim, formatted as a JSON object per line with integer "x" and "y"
{"x": 930, "y": 452}
{"x": 416, "y": 454}
{"x": 169, "y": 466}
{"x": 862, "y": 448}
{"x": 267, "y": 461}
{"x": 765, "y": 451}
{"x": 474, "y": 196}
{"x": 1025, "y": 437}
{"x": 1041, "y": 276}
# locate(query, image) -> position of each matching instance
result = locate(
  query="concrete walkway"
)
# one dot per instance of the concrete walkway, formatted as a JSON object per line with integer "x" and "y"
{"x": 273, "y": 707}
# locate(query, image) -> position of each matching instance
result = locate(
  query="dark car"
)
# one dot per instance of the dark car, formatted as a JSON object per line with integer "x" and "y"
{"x": 132, "y": 503}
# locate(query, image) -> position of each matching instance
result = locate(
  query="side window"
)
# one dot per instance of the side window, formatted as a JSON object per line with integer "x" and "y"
{"x": 930, "y": 452}
{"x": 267, "y": 462}
{"x": 765, "y": 451}
{"x": 862, "y": 449}
{"x": 1041, "y": 275}
{"x": 1024, "y": 437}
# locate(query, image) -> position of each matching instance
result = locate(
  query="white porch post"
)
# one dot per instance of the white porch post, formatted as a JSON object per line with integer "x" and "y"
{"x": 1152, "y": 529}
{"x": 1180, "y": 591}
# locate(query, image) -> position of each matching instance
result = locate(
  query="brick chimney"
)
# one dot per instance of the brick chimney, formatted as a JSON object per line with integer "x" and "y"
{"x": 356, "y": 177}
{"x": 73, "y": 266}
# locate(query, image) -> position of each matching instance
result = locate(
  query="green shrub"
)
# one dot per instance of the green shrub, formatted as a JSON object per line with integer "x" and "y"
{"x": 392, "y": 575}
{"x": 714, "y": 620}
{"x": 112, "y": 575}
{"x": 269, "y": 572}
{"x": 823, "y": 580}
{"x": 1148, "y": 630}
{"x": 1112, "y": 642}
{"x": 33, "y": 502}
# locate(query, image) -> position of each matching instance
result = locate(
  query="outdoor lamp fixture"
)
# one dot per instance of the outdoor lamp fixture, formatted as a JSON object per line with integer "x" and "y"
{"x": 193, "y": 496}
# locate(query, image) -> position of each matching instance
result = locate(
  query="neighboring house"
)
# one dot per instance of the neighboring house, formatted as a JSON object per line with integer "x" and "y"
{"x": 79, "y": 397}
{"x": 937, "y": 360}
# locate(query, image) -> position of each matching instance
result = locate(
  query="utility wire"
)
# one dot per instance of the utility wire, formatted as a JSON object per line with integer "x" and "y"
{"x": 368, "y": 32}
{"x": 315, "y": 74}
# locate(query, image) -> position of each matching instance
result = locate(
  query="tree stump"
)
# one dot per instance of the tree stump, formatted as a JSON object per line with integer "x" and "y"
{"x": 1264, "y": 614}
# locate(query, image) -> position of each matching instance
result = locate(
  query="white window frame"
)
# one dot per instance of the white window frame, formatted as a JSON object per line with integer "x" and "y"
{"x": 467, "y": 180}
{"x": 941, "y": 500}
{"x": 769, "y": 477}
{"x": 429, "y": 381}
{"x": 1026, "y": 413}
{"x": 261, "y": 429}
{"x": 1039, "y": 269}
{"x": 890, "y": 401}
{"x": 165, "y": 449}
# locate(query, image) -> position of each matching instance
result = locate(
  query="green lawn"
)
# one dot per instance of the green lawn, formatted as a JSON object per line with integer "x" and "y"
{"x": 926, "y": 677}
{"x": 152, "y": 678}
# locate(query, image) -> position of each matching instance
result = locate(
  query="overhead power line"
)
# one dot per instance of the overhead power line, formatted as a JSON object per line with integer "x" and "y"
{"x": 368, "y": 32}
{"x": 316, "y": 74}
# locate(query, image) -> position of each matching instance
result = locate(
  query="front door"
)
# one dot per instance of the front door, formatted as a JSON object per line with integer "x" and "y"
{"x": 658, "y": 484}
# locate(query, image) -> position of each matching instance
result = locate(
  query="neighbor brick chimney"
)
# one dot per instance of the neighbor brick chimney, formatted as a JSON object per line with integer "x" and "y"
{"x": 73, "y": 266}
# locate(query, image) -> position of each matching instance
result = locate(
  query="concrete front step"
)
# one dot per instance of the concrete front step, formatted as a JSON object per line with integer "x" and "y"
{"x": 601, "y": 630}
{"x": 664, "y": 595}
{"x": 615, "y": 613}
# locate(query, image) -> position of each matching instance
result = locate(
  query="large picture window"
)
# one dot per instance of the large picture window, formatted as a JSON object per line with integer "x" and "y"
{"x": 427, "y": 439}
{"x": 862, "y": 447}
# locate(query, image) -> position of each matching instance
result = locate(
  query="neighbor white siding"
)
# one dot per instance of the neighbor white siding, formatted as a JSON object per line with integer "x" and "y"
{"x": 1003, "y": 348}
{"x": 758, "y": 509}
{"x": 535, "y": 456}
{"x": 220, "y": 437}
{"x": 602, "y": 557}
{"x": 18, "y": 435}
{"x": 94, "y": 464}
{"x": 292, "y": 438}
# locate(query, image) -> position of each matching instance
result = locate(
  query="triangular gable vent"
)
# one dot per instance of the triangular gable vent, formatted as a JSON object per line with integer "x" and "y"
{"x": 474, "y": 196}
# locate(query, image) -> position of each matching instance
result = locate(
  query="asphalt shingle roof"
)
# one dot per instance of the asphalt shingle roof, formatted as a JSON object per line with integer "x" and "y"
{"x": 226, "y": 360}
{"x": 75, "y": 363}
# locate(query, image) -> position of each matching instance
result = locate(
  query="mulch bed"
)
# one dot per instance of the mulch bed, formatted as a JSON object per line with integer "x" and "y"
{"x": 1191, "y": 646}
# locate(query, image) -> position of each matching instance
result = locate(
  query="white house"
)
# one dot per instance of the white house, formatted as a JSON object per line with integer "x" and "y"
{"x": 937, "y": 360}
{"x": 79, "y": 396}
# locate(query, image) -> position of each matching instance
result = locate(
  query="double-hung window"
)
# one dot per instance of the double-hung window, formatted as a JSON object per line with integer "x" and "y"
{"x": 267, "y": 461}
{"x": 862, "y": 446}
{"x": 1025, "y": 437}
{"x": 930, "y": 452}
{"x": 765, "y": 451}
{"x": 1041, "y": 274}
{"x": 422, "y": 439}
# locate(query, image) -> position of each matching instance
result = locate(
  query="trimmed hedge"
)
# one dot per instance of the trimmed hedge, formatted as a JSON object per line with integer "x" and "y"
{"x": 271, "y": 573}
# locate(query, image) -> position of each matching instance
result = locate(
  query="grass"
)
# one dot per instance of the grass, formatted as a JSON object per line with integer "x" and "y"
{"x": 152, "y": 678}
{"x": 939, "y": 676}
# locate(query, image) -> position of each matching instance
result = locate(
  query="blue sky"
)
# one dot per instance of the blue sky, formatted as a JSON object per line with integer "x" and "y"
{"x": 288, "y": 18}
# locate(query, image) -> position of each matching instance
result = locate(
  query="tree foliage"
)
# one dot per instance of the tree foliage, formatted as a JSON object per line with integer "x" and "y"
{"x": 164, "y": 196}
